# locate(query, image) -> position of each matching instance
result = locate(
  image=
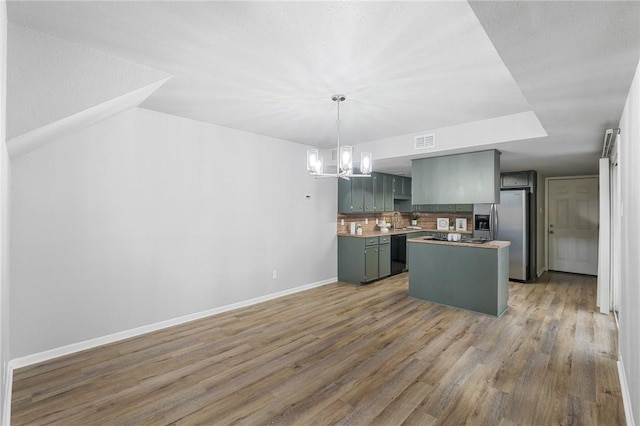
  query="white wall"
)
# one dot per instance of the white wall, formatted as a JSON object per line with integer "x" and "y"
{"x": 4, "y": 209}
{"x": 629, "y": 318}
{"x": 467, "y": 137}
{"x": 147, "y": 217}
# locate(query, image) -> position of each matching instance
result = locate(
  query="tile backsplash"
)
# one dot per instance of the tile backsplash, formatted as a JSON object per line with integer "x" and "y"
{"x": 426, "y": 221}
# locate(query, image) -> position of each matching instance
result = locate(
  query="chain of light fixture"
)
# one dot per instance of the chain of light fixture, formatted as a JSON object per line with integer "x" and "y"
{"x": 345, "y": 156}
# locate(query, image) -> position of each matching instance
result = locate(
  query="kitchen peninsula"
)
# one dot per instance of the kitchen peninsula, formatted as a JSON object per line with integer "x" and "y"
{"x": 461, "y": 274}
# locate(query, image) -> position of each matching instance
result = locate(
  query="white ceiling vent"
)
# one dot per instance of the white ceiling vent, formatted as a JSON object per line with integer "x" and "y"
{"x": 424, "y": 141}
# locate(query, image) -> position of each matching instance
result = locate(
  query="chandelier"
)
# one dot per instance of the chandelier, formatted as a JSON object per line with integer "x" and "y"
{"x": 344, "y": 156}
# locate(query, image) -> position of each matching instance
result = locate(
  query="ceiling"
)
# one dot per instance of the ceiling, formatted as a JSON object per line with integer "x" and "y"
{"x": 271, "y": 67}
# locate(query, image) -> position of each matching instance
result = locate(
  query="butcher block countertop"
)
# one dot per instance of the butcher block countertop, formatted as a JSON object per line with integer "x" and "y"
{"x": 486, "y": 245}
{"x": 376, "y": 233}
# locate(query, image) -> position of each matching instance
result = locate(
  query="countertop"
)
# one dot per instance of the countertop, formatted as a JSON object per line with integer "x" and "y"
{"x": 495, "y": 244}
{"x": 377, "y": 233}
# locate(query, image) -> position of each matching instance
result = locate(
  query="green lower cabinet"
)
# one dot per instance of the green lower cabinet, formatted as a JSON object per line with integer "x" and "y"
{"x": 362, "y": 260}
{"x": 384, "y": 260}
{"x": 414, "y": 235}
{"x": 371, "y": 263}
{"x": 482, "y": 285}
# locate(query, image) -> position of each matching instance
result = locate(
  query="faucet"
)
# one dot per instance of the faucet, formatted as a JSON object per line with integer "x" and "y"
{"x": 396, "y": 217}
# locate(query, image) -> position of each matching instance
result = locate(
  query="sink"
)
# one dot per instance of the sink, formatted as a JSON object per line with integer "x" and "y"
{"x": 475, "y": 241}
{"x": 468, "y": 240}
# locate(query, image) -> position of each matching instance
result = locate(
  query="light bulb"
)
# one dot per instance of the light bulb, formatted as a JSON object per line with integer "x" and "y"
{"x": 346, "y": 161}
{"x": 312, "y": 159}
{"x": 365, "y": 163}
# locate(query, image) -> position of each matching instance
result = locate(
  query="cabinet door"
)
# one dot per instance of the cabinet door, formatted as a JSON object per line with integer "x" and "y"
{"x": 406, "y": 186}
{"x": 378, "y": 193}
{"x": 513, "y": 180}
{"x": 369, "y": 203}
{"x": 427, "y": 208}
{"x": 446, "y": 208}
{"x": 439, "y": 180}
{"x": 464, "y": 208}
{"x": 388, "y": 193}
{"x": 357, "y": 195}
{"x": 403, "y": 206}
{"x": 371, "y": 263}
{"x": 344, "y": 196}
{"x": 384, "y": 260}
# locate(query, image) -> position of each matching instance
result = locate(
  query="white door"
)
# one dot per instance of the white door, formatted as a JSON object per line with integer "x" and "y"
{"x": 573, "y": 225}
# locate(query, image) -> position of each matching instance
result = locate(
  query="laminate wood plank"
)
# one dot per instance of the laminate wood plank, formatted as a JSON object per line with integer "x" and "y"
{"x": 344, "y": 354}
{"x": 608, "y": 392}
{"x": 490, "y": 410}
{"x": 452, "y": 384}
{"x": 580, "y": 412}
{"x": 419, "y": 417}
{"x": 401, "y": 407}
{"x": 582, "y": 382}
{"x": 335, "y": 411}
{"x": 464, "y": 408}
{"x": 523, "y": 404}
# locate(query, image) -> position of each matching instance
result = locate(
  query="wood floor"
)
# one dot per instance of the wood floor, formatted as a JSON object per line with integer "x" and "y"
{"x": 342, "y": 354}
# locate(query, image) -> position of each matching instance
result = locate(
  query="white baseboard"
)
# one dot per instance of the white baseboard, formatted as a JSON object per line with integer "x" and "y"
{"x": 99, "y": 341}
{"x": 541, "y": 271}
{"x": 6, "y": 403}
{"x": 626, "y": 398}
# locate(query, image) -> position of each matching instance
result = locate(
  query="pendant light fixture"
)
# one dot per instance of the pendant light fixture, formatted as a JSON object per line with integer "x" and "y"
{"x": 344, "y": 163}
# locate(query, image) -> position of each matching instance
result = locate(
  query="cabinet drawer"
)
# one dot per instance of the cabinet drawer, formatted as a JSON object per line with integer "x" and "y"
{"x": 372, "y": 241}
{"x": 384, "y": 240}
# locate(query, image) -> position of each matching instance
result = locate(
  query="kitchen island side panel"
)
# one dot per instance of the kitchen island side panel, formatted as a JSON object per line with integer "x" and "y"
{"x": 466, "y": 277}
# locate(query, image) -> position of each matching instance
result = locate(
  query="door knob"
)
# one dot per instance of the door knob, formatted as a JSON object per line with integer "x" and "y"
{"x": 551, "y": 232}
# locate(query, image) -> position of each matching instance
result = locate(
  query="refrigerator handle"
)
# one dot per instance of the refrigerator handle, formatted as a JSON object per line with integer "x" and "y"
{"x": 497, "y": 218}
{"x": 491, "y": 222}
{"x": 494, "y": 221}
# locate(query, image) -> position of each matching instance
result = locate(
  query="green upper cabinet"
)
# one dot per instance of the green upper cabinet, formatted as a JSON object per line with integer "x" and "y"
{"x": 426, "y": 208}
{"x": 464, "y": 208}
{"x": 468, "y": 178}
{"x": 351, "y": 195}
{"x": 374, "y": 194}
{"x": 357, "y": 194}
{"x": 369, "y": 194}
{"x": 378, "y": 192}
{"x": 402, "y": 187}
{"x": 515, "y": 180}
{"x": 388, "y": 181}
{"x": 444, "y": 208}
{"x": 344, "y": 196}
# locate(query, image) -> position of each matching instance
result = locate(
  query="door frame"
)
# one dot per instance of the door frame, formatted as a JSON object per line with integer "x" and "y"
{"x": 546, "y": 211}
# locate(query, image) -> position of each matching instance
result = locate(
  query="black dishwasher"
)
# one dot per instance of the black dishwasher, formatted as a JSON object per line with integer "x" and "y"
{"x": 398, "y": 254}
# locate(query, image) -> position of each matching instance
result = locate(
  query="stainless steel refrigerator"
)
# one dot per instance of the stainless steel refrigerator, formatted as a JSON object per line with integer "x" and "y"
{"x": 507, "y": 221}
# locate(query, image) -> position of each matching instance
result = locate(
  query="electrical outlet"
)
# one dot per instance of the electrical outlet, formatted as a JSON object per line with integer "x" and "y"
{"x": 274, "y": 274}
